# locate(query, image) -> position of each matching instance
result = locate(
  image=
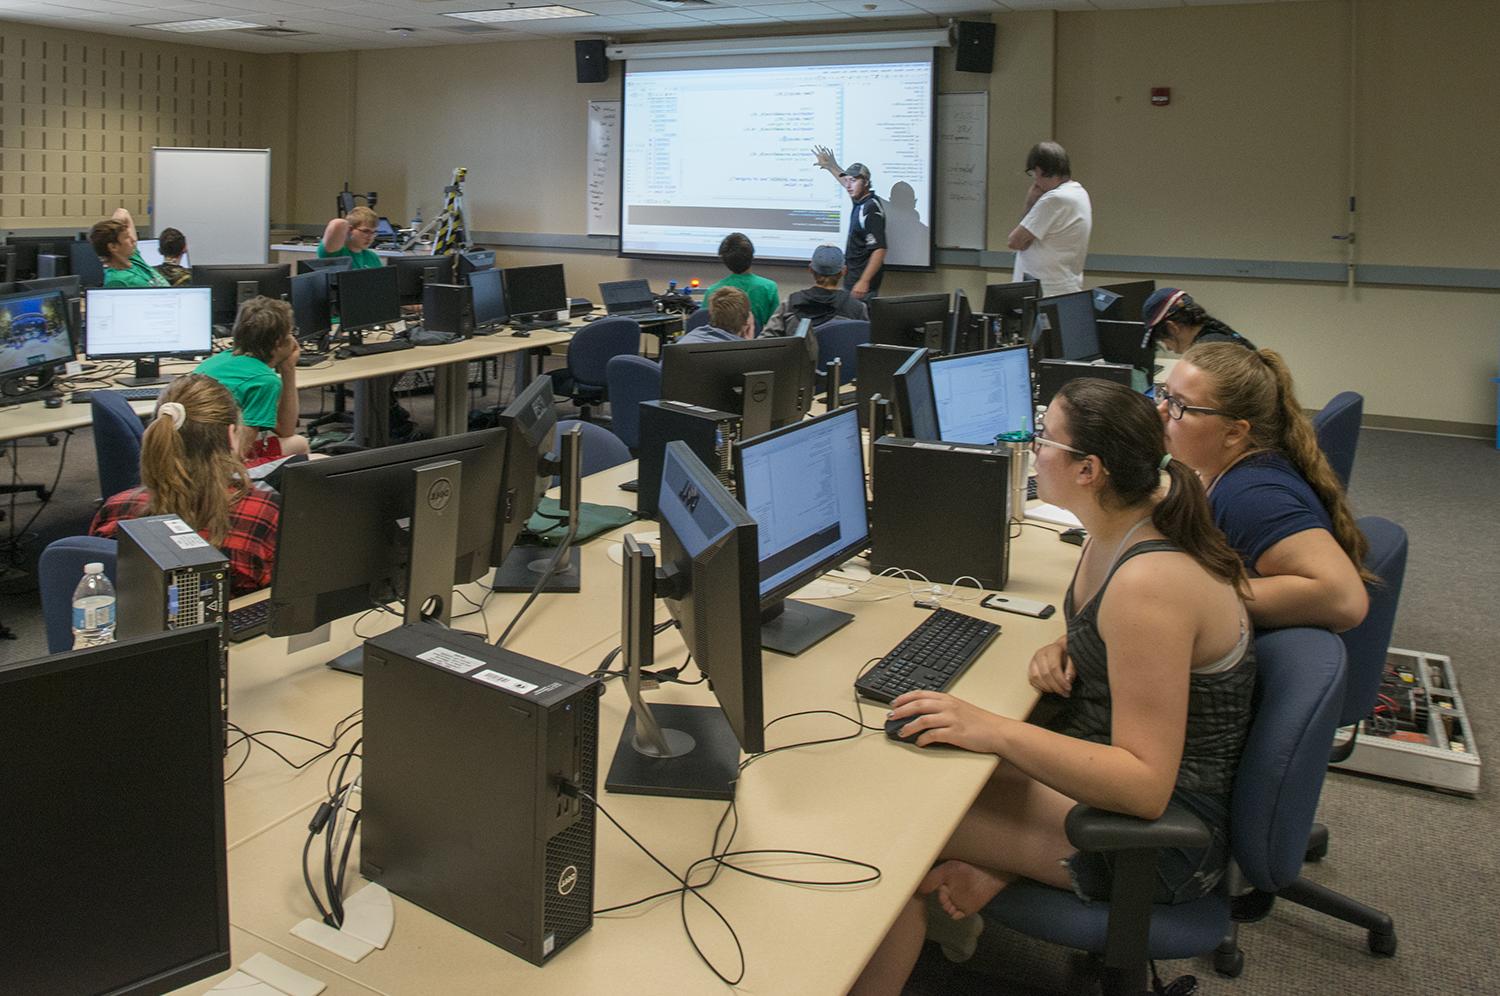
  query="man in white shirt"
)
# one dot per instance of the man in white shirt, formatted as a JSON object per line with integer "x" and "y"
{"x": 1053, "y": 238}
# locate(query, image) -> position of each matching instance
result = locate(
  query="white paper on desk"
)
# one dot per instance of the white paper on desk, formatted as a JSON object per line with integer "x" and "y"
{"x": 241, "y": 984}
{"x": 1044, "y": 512}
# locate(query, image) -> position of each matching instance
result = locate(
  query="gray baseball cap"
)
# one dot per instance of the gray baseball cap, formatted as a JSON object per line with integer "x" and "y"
{"x": 827, "y": 261}
{"x": 859, "y": 170}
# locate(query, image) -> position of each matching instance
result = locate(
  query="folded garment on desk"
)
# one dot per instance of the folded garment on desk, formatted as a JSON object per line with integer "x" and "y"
{"x": 1051, "y": 513}
{"x": 592, "y": 520}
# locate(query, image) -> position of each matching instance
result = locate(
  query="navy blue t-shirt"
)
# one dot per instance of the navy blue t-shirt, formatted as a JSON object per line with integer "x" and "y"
{"x": 1262, "y": 500}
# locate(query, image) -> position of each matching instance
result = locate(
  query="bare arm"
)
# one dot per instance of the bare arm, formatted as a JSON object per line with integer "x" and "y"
{"x": 123, "y": 215}
{"x": 1019, "y": 239}
{"x": 335, "y": 235}
{"x": 862, "y": 286}
{"x": 826, "y": 161}
{"x": 286, "y": 405}
{"x": 1307, "y": 580}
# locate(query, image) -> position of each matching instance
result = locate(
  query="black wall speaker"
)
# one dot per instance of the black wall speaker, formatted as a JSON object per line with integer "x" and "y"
{"x": 593, "y": 67}
{"x": 975, "y": 48}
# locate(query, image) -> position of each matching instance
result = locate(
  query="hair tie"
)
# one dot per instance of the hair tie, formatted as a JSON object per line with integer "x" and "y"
{"x": 1166, "y": 459}
{"x": 173, "y": 411}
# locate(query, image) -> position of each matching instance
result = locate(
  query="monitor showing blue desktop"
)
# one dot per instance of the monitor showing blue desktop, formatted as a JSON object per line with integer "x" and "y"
{"x": 980, "y": 396}
{"x": 34, "y": 339}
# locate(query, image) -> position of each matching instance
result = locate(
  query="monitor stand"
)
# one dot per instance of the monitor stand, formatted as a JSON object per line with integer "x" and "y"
{"x": 790, "y": 627}
{"x": 147, "y": 373}
{"x": 524, "y": 565}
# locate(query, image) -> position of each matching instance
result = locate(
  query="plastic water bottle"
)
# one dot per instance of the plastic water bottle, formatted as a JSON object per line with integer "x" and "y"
{"x": 416, "y": 222}
{"x": 93, "y": 609}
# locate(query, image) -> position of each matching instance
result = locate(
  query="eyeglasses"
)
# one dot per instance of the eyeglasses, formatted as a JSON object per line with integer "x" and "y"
{"x": 1176, "y": 406}
{"x": 1040, "y": 440}
{"x": 367, "y": 231}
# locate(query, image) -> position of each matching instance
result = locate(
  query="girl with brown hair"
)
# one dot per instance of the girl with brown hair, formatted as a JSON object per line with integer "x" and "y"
{"x": 1152, "y": 680}
{"x": 189, "y": 469}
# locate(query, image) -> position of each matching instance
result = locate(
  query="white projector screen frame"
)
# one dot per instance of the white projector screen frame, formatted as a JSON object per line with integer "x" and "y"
{"x": 219, "y": 198}
{"x": 716, "y": 144}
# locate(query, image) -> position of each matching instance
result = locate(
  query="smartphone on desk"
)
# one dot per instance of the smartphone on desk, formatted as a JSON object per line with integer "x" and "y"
{"x": 1020, "y": 606}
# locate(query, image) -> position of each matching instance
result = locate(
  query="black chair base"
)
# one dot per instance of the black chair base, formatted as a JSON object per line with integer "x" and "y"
{"x": 1380, "y": 928}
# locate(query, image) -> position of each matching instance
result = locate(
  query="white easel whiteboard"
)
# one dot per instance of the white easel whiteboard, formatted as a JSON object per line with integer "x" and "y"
{"x": 219, "y": 198}
{"x": 962, "y": 165}
{"x": 604, "y": 167}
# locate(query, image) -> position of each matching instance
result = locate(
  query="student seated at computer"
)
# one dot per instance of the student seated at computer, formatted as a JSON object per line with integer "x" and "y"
{"x": 114, "y": 240}
{"x": 172, "y": 245}
{"x": 1232, "y": 415}
{"x": 261, "y": 373}
{"x": 351, "y": 236}
{"x": 737, "y": 253}
{"x": 1152, "y": 681}
{"x": 189, "y": 469}
{"x": 1173, "y": 319}
{"x": 729, "y": 318}
{"x": 824, "y": 301}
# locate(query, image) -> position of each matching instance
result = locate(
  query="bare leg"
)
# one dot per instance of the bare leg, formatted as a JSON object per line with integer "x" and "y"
{"x": 891, "y": 964}
{"x": 293, "y": 445}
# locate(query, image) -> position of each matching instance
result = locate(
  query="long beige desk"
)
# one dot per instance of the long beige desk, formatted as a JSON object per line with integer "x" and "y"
{"x": 866, "y": 798}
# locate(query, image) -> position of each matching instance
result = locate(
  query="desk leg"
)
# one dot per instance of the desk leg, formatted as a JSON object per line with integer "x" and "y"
{"x": 523, "y": 371}
{"x": 372, "y": 411}
{"x": 450, "y": 399}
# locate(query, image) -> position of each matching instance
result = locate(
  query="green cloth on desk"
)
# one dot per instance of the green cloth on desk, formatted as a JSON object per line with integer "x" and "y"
{"x": 592, "y": 520}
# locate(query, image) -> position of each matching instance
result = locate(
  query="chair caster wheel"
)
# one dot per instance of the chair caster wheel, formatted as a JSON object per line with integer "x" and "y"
{"x": 1316, "y": 853}
{"x": 1382, "y": 944}
{"x": 1229, "y": 963}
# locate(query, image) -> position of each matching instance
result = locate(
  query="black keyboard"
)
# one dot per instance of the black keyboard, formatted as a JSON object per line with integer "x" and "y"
{"x": 250, "y": 620}
{"x": 128, "y": 393}
{"x": 371, "y": 348}
{"x": 930, "y": 658}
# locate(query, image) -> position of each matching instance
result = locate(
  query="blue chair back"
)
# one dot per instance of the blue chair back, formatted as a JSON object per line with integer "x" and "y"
{"x": 841, "y": 339}
{"x": 594, "y": 345}
{"x": 117, "y": 442}
{"x": 1367, "y": 643}
{"x": 58, "y": 571}
{"x": 630, "y": 380}
{"x": 1337, "y": 427}
{"x": 1298, "y": 694}
{"x": 696, "y": 319}
{"x": 601, "y": 448}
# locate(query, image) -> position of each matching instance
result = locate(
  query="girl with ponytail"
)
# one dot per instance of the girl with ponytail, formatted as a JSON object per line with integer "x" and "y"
{"x": 189, "y": 469}
{"x": 1152, "y": 683}
{"x": 1232, "y": 415}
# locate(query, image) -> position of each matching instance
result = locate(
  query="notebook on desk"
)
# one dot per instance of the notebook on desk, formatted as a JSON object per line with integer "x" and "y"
{"x": 629, "y": 299}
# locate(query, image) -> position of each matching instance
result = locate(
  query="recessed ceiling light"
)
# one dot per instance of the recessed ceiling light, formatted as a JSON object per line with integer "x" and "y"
{"x": 519, "y": 14}
{"x": 204, "y": 24}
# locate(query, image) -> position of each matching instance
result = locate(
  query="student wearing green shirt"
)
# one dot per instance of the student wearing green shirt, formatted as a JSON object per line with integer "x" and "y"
{"x": 261, "y": 373}
{"x": 351, "y": 236}
{"x": 737, "y": 253}
{"x": 114, "y": 240}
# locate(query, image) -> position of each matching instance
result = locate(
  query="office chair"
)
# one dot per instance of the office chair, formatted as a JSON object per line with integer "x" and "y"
{"x": 85, "y": 263}
{"x": 1337, "y": 426}
{"x": 840, "y": 339}
{"x": 1299, "y": 689}
{"x": 583, "y": 379}
{"x": 117, "y": 442}
{"x": 601, "y": 448}
{"x": 695, "y": 320}
{"x": 58, "y": 570}
{"x": 631, "y": 380}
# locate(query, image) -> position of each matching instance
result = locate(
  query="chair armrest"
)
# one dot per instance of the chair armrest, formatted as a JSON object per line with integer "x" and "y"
{"x": 1091, "y": 829}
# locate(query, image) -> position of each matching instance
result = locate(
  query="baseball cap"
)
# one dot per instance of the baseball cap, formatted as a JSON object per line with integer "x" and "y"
{"x": 1162, "y": 302}
{"x": 827, "y": 261}
{"x": 859, "y": 170}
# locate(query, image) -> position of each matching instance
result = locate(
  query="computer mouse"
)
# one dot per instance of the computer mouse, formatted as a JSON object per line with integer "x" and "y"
{"x": 521, "y": 334}
{"x": 1076, "y": 536}
{"x": 893, "y": 730}
{"x": 53, "y": 403}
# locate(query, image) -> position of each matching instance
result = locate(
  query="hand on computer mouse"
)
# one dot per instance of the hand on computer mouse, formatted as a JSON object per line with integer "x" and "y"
{"x": 939, "y": 718}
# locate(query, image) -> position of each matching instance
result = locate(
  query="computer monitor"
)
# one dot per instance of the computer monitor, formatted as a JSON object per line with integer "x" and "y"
{"x": 902, "y": 321}
{"x": 804, "y": 486}
{"x": 326, "y": 263}
{"x": 474, "y": 261}
{"x": 1014, "y": 305}
{"x": 533, "y": 294}
{"x": 72, "y": 289}
{"x": 956, "y": 336}
{"x": 530, "y": 421}
{"x": 1073, "y": 318}
{"x": 113, "y": 821}
{"x": 35, "y": 341}
{"x": 312, "y": 312}
{"x": 233, "y": 283}
{"x": 1129, "y": 299}
{"x": 146, "y": 323}
{"x": 489, "y": 300}
{"x": 1051, "y": 375}
{"x": 367, "y": 298}
{"x": 708, "y": 578}
{"x": 150, "y": 250}
{"x": 915, "y": 405}
{"x": 84, "y": 264}
{"x": 25, "y": 249}
{"x": 980, "y": 396}
{"x": 414, "y": 271}
{"x": 727, "y": 376}
{"x": 877, "y": 366}
{"x": 367, "y": 509}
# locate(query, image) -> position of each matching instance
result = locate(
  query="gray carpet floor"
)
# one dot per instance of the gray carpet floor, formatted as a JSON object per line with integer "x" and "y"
{"x": 1427, "y": 858}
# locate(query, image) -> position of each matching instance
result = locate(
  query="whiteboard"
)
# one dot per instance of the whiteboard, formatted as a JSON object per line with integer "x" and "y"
{"x": 962, "y": 163}
{"x": 604, "y": 167}
{"x": 219, "y": 198}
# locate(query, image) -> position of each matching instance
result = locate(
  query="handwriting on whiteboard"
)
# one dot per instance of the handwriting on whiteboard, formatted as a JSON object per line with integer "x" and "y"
{"x": 963, "y": 157}
{"x": 604, "y": 167}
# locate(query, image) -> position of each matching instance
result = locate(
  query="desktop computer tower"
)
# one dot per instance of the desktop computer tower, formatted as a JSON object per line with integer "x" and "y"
{"x": 940, "y": 509}
{"x": 710, "y": 434}
{"x": 466, "y": 751}
{"x": 448, "y": 308}
{"x": 169, "y": 577}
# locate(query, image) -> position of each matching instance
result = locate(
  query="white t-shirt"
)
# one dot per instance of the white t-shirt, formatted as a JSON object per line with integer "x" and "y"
{"x": 1061, "y": 220}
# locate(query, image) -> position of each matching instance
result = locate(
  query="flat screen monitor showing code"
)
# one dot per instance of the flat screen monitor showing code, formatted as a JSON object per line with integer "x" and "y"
{"x": 148, "y": 321}
{"x": 981, "y": 395}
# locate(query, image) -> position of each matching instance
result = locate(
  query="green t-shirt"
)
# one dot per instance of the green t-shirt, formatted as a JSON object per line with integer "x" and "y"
{"x": 363, "y": 260}
{"x": 762, "y": 292}
{"x": 139, "y": 274}
{"x": 255, "y": 386}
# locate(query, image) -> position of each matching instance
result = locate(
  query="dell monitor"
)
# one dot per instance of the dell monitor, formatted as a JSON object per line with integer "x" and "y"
{"x": 1073, "y": 318}
{"x": 1014, "y": 305}
{"x": 877, "y": 365}
{"x": 708, "y": 578}
{"x": 804, "y": 486}
{"x": 903, "y": 321}
{"x": 982, "y": 396}
{"x": 150, "y": 250}
{"x": 312, "y": 312}
{"x": 489, "y": 300}
{"x": 530, "y": 421}
{"x": 534, "y": 294}
{"x": 367, "y": 298}
{"x": 35, "y": 341}
{"x": 412, "y": 272}
{"x": 1128, "y": 300}
{"x": 147, "y": 323}
{"x": 915, "y": 406}
{"x": 731, "y": 376}
{"x": 1051, "y": 375}
{"x": 234, "y": 283}
{"x": 325, "y": 263}
{"x": 956, "y": 336}
{"x": 472, "y": 261}
{"x": 113, "y": 823}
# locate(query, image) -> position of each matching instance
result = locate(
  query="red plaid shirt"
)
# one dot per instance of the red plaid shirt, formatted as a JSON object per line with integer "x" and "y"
{"x": 250, "y": 545}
